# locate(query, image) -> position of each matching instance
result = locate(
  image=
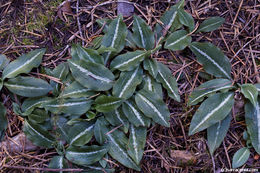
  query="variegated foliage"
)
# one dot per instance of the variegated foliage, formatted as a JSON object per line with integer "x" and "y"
{"x": 101, "y": 101}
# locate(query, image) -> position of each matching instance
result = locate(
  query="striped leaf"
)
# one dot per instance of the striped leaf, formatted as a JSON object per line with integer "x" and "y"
{"x": 58, "y": 162}
{"x": 211, "y": 111}
{"x": 258, "y": 88}
{"x": 216, "y": 133}
{"x": 76, "y": 90}
{"x": 186, "y": 19}
{"x": 240, "y": 157}
{"x": 208, "y": 88}
{"x": 142, "y": 34}
{"x": 89, "y": 55}
{"x": 77, "y": 106}
{"x": 115, "y": 36}
{"x": 128, "y": 61}
{"x": 151, "y": 85}
{"x": 151, "y": 66}
{"x": 28, "y": 86}
{"x": 178, "y": 40}
{"x": 91, "y": 75}
{"x": 116, "y": 118}
{"x": 127, "y": 82}
{"x": 153, "y": 106}
{"x": 252, "y": 116}
{"x": 107, "y": 103}
{"x": 136, "y": 143}
{"x": 24, "y": 63}
{"x": 100, "y": 130}
{"x": 168, "y": 81}
{"x": 118, "y": 142}
{"x": 31, "y": 103}
{"x": 37, "y": 135}
{"x": 169, "y": 19}
{"x": 3, "y": 121}
{"x": 250, "y": 92}
{"x": 134, "y": 115}
{"x": 81, "y": 133}
{"x": 129, "y": 40}
{"x": 3, "y": 62}
{"x": 85, "y": 155}
{"x": 212, "y": 58}
{"x": 211, "y": 24}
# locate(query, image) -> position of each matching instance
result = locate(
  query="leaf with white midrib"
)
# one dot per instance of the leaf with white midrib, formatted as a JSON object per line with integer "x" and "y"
{"x": 126, "y": 84}
{"x": 250, "y": 92}
{"x": 169, "y": 82}
{"x": 153, "y": 107}
{"x": 211, "y": 24}
{"x": 107, "y": 103}
{"x": 213, "y": 59}
{"x": 216, "y": 133}
{"x": 24, "y": 63}
{"x": 212, "y": 110}
{"x": 252, "y": 117}
{"x": 240, "y": 157}
{"x": 207, "y": 88}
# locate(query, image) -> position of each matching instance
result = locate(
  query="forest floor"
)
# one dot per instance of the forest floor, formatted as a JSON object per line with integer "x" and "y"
{"x": 29, "y": 24}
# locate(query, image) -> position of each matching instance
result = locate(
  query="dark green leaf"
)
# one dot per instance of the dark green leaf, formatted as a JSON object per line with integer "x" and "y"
{"x": 31, "y": 103}
{"x": 115, "y": 36}
{"x": 151, "y": 66}
{"x": 58, "y": 162}
{"x": 118, "y": 143}
{"x": 128, "y": 61}
{"x": 37, "y": 135}
{"x": 81, "y": 133}
{"x": 186, "y": 19}
{"x": 252, "y": 116}
{"x": 136, "y": 144}
{"x": 76, "y": 90}
{"x": 168, "y": 81}
{"x": 250, "y": 92}
{"x": 258, "y": 88}
{"x": 208, "y": 88}
{"x": 24, "y": 63}
{"x": 89, "y": 55}
{"x": 77, "y": 106}
{"x": 213, "y": 59}
{"x": 100, "y": 130}
{"x": 38, "y": 116}
{"x": 127, "y": 82}
{"x": 153, "y": 106}
{"x": 240, "y": 157}
{"x": 107, "y": 103}
{"x": 91, "y": 75}
{"x": 28, "y": 86}
{"x": 152, "y": 85}
{"x": 85, "y": 155}
{"x": 3, "y": 62}
{"x": 142, "y": 34}
{"x": 178, "y": 40}
{"x": 134, "y": 115}
{"x": 211, "y": 24}
{"x": 211, "y": 111}
{"x": 217, "y": 132}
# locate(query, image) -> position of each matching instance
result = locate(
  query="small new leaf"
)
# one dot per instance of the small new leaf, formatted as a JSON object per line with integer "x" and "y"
{"x": 240, "y": 157}
{"x": 250, "y": 92}
{"x": 211, "y": 24}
